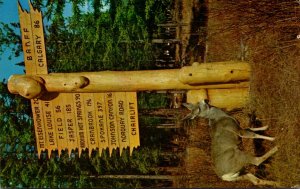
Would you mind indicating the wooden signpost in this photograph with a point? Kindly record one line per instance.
(73, 121)
(98, 110)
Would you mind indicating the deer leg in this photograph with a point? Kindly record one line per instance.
(256, 181)
(258, 160)
(245, 133)
(259, 128)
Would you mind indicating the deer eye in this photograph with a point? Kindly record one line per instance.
(206, 101)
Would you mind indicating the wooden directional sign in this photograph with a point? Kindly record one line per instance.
(70, 121)
(84, 115)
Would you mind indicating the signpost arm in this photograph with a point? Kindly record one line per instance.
(198, 76)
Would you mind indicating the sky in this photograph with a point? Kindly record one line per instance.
(8, 14)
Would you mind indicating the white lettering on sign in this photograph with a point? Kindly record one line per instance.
(90, 117)
(39, 123)
(101, 121)
(59, 121)
(122, 121)
(112, 126)
(38, 41)
(80, 121)
(101, 125)
(111, 111)
(70, 124)
(133, 120)
(132, 114)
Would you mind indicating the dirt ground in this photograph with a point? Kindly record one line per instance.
(272, 49)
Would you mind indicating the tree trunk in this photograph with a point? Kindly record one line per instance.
(164, 113)
(146, 177)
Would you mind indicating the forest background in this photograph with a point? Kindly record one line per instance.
(111, 35)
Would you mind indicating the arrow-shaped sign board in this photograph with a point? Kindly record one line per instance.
(76, 121)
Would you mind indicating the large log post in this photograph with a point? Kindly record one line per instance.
(221, 75)
(222, 98)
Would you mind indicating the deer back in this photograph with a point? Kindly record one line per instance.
(224, 147)
(223, 136)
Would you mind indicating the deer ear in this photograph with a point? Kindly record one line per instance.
(189, 116)
(189, 106)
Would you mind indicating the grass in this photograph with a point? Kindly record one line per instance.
(275, 95)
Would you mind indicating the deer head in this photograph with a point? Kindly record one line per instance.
(200, 109)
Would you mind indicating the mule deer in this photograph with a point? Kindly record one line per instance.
(226, 136)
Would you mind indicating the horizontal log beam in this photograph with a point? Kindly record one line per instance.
(197, 76)
(217, 72)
